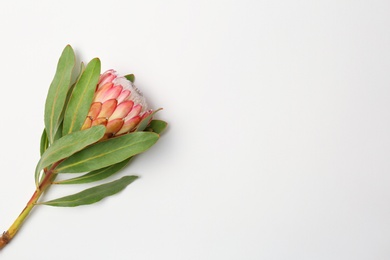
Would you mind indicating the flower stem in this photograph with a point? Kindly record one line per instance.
(43, 186)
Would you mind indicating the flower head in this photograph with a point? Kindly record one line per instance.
(117, 104)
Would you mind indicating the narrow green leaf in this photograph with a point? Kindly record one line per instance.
(92, 195)
(81, 97)
(82, 68)
(60, 128)
(108, 152)
(157, 126)
(130, 77)
(144, 122)
(44, 142)
(96, 175)
(68, 145)
(57, 92)
(58, 134)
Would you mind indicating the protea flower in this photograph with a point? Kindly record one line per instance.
(117, 104)
(116, 107)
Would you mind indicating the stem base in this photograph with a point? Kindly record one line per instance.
(4, 239)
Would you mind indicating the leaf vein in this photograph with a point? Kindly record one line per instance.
(98, 156)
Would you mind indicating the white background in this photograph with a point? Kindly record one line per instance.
(278, 145)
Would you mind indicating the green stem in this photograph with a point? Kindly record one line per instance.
(43, 186)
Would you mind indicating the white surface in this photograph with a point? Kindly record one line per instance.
(278, 145)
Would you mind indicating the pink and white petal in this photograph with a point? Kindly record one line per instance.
(106, 77)
(123, 96)
(101, 92)
(112, 93)
(134, 112)
(122, 110)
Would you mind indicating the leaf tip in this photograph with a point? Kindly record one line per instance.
(130, 77)
(96, 59)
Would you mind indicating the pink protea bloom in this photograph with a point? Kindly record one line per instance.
(117, 104)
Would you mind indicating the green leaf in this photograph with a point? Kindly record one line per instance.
(108, 152)
(144, 122)
(92, 195)
(130, 77)
(82, 68)
(81, 97)
(96, 175)
(57, 92)
(44, 142)
(157, 126)
(68, 145)
(58, 134)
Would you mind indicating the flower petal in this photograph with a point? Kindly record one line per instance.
(95, 109)
(101, 92)
(134, 112)
(122, 110)
(108, 108)
(129, 125)
(99, 121)
(87, 123)
(112, 93)
(123, 96)
(114, 126)
(107, 77)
